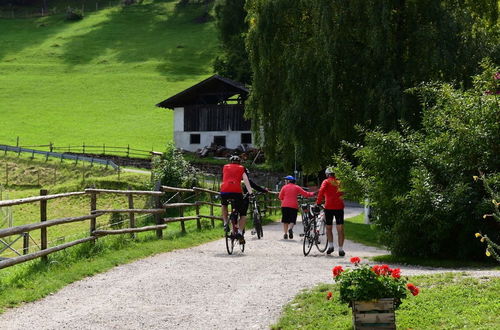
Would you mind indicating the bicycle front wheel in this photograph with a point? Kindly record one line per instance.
(308, 241)
(321, 238)
(229, 242)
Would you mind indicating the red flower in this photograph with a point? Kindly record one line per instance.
(337, 270)
(413, 289)
(376, 269)
(396, 273)
(355, 260)
(385, 270)
(329, 295)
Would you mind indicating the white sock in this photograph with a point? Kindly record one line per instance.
(341, 248)
(240, 231)
(330, 244)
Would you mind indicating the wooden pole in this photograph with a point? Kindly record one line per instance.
(131, 214)
(181, 213)
(212, 210)
(159, 220)
(198, 221)
(26, 243)
(43, 218)
(93, 207)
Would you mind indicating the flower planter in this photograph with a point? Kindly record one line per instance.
(376, 314)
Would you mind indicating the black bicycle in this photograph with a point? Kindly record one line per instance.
(313, 219)
(232, 232)
(257, 218)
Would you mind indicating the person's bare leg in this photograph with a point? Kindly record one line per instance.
(224, 213)
(340, 232)
(243, 221)
(285, 229)
(329, 233)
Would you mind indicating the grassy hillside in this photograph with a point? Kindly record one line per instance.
(97, 80)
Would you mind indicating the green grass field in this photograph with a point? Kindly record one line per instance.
(97, 80)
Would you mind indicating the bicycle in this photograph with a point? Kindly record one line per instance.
(230, 235)
(314, 229)
(257, 218)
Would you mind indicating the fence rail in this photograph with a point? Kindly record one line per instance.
(61, 156)
(157, 211)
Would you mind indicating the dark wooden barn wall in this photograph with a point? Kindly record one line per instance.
(215, 118)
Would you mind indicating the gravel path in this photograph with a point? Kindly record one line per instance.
(197, 288)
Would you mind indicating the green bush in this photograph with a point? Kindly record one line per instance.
(425, 200)
(73, 14)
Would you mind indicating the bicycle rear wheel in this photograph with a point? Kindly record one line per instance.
(321, 238)
(257, 224)
(308, 240)
(229, 242)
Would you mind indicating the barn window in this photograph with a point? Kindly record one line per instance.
(220, 140)
(246, 138)
(194, 138)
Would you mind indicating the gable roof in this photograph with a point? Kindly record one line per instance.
(209, 91)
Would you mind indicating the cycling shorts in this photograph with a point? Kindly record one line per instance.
(236, 200)
(330, 214)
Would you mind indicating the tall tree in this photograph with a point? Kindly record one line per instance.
(321, 67)
(232, 28)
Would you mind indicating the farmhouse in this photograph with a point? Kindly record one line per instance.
(210, 112)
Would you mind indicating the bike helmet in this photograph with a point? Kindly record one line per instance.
(329, 171)
(235, 159)
(289, 177)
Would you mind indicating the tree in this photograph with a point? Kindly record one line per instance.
(320, 67)
(232, 28)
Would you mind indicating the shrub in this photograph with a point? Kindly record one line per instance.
(420, 182)
(73, 14)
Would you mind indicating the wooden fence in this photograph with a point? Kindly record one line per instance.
(158, 209)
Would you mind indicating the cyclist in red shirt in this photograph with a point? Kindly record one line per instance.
(289, 206)
(230, 190)
(334, 207)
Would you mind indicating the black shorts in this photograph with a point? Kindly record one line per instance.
(236, 200)
(338, 214)
(288, 215)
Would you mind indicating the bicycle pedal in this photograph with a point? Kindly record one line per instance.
(253, 232)
(301, 235)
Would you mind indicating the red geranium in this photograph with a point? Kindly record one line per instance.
(385, 270)
(413, 289)
(396, 273)
(355, 260)
(329, 295)
(337, 270)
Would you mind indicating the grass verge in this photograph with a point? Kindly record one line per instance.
(446, 301)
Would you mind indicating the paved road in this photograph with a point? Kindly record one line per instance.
(196, 288)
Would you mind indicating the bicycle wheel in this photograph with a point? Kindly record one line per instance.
(229, 242)
(257, 224)
(321, 240)
(308, 240)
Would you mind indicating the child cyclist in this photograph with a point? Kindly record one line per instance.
(289, 206)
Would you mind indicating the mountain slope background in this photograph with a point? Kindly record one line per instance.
(96, 81)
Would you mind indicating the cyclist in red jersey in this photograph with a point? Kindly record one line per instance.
(289, 206)
(230, 189)
(334, 207)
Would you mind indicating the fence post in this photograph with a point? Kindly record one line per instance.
(83, 148)
(212, 209)
(181, 213)
(26, 243)
(131, 214)
(93, 207)
(128, 150)
(198, 221)
(51, 146)
(43, 218)
(6, 174)
(158, 205)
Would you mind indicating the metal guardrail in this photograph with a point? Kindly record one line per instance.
(47, 154)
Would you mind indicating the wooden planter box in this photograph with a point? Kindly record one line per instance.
(376, 314)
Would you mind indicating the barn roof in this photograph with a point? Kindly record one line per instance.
(213, 90)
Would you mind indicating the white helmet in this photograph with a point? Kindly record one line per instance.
(329, 171)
